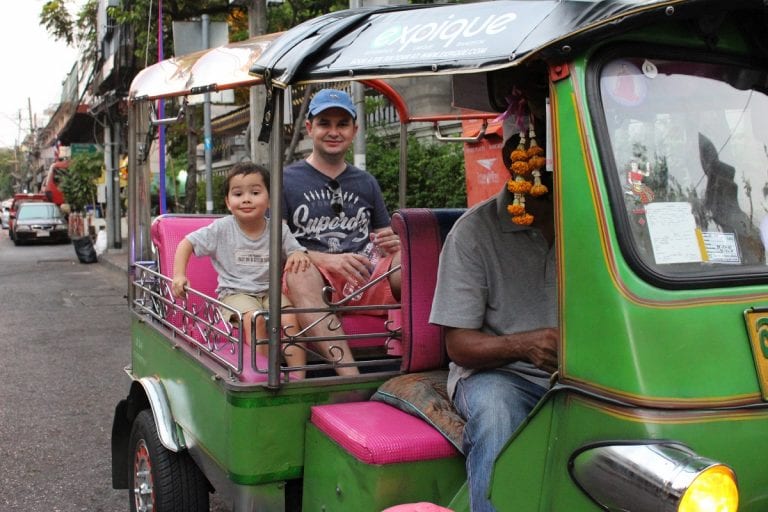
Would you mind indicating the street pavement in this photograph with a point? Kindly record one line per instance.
(64, 339)
(116, 259)
(64, 336)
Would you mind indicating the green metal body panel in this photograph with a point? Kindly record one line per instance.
(335, 480)
(679, 360)
(621, 335)
(568, 421)
(256, 435)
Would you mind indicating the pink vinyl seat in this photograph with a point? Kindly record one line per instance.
(376, 432)
(167, 231)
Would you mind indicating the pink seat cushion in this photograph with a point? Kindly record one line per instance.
(377, 433)
(422, 506)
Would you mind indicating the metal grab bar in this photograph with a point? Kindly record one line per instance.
(154, 121)
(444, 138)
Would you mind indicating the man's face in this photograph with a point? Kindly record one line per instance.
(332, 132)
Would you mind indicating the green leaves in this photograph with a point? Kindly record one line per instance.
(77, 183)
(436, 176)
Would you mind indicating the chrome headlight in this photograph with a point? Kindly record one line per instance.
(659, 477)
(23, 227)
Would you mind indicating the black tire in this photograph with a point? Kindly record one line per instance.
(167, 481)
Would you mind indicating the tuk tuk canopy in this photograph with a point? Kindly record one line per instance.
(458, 38)
(214, 69)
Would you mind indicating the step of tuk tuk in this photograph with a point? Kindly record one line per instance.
(363, 456)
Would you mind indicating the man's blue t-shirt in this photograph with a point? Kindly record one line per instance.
(307, 208)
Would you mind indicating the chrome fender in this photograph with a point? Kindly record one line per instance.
(161, 410)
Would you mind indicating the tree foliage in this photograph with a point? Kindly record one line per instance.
(57, 20)
(142, 15)
(78, 30)
(8, 164)
(435, 175)
(78, 183)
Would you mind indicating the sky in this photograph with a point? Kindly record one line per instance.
(34, 67)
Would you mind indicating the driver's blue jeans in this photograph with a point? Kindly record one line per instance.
(494, 403)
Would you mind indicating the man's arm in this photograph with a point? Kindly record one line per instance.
(475, 349)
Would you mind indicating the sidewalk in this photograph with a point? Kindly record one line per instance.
(117, 259)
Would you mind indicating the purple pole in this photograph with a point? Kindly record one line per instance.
(161, 114)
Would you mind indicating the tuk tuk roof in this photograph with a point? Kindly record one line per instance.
(379, 42)
(215, 69)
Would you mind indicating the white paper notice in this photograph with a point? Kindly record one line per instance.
(673, 232)
(721, 247)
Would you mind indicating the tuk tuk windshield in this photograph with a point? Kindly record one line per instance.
(689, 143)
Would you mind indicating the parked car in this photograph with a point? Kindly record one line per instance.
(18, 200)
(5, 213)
(39, 221)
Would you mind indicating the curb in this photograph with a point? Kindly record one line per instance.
(115, 260)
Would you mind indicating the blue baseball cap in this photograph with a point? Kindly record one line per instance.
(331, 98)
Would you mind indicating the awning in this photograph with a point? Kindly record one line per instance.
(221, 68)
(428, 39)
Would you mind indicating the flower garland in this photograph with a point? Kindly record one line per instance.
(526, 162)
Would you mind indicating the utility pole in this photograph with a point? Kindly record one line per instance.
(358, 97)
(207, 131)
(31, 122)
(257, 25)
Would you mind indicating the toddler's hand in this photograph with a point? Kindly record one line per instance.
(178, 286)
(297, 262)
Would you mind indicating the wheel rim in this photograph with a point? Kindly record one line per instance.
(143, 488)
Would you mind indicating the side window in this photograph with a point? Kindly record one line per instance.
(689, 147)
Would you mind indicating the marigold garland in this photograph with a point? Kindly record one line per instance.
(525, 219)
(524, 162)
(519, 186)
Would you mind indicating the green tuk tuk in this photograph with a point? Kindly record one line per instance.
(657, 130)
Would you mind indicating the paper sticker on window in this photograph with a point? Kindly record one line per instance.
(673, 233)
(721, 247)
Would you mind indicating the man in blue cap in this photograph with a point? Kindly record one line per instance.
(337, 212)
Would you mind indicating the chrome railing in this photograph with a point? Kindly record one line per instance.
(200, 321)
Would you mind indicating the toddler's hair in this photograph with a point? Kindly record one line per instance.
(246, 168)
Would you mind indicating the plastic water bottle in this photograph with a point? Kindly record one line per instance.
(372, 253)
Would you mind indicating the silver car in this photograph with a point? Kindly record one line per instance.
(5, 215)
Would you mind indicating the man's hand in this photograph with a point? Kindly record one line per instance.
(354, 267)
(386, 241)
(542, 348)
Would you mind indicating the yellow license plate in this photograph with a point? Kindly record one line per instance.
(757, 327)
